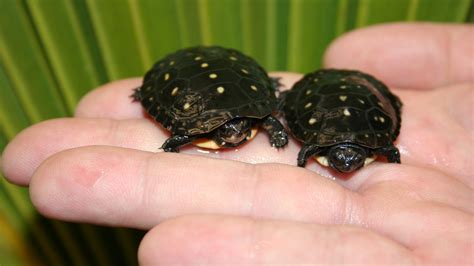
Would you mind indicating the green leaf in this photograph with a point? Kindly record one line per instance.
(118, 42)
(219, 22)
(69, 45)
(254, 19)
(156, 26)
(17, 199)
(276, 34)
(25, 65)
(188, 22)
(380, 11)
(443, 10)
(12, 117)
(312, 27)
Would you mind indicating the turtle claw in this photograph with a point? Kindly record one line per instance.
(168, 149)
(279, 139)
(136, 96)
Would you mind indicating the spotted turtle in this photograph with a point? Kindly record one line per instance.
(344, 118)
(211, 96)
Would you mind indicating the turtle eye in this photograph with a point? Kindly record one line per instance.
(340, 156)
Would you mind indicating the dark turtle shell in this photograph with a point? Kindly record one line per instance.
(330, 106)
(195, 90)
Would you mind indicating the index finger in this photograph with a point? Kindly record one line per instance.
(414, 55)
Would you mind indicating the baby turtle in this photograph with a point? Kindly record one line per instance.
(210, 96)
(344, 118)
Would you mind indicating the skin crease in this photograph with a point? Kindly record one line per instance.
(251, 205)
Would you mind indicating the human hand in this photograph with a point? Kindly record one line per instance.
(102, 167)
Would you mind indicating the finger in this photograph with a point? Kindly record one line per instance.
(437, 130)
(415, 206)
(235, 240)
(113, 100)
(415, 55)
(35, 144)
(140, 189)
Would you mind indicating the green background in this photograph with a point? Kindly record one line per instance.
(53, 51)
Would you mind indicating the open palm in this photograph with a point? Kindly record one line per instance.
(252, 204)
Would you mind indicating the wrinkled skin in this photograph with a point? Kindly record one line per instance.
(201, 209)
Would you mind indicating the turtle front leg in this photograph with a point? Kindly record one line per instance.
(136, 96)
(306, 152)
(173, 143)
(278, 135)
(391, 152)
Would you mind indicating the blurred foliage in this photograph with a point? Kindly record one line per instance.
(53, 51)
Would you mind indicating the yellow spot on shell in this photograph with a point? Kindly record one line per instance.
(171, 63)
(343, 98)
(233, 58)
(346, 112)
(311, 121)
(244, 70)
(308, 92)
(174, 91)
(343, 87)
(220, 89)
(186, 106)
(308, 105)
(253, 87)
(382, 119)
(213, 75)
(167, 76)
(197, 58)
(204, 65)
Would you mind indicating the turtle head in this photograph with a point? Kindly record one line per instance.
(233, 133)
(346, 158)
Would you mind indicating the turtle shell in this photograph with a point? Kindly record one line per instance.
(330, 106)
(195, 90)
